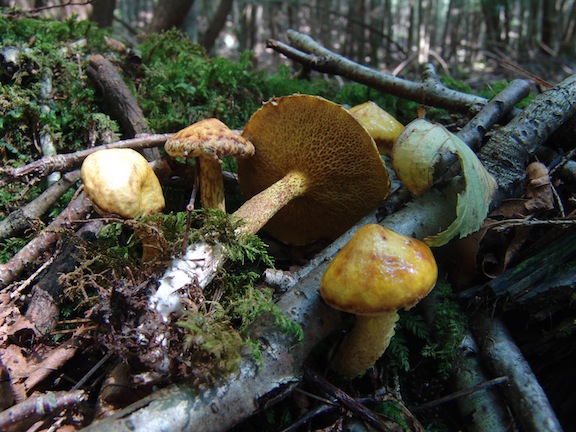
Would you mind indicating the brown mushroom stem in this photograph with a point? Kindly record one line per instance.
(365, 344)
(211, 184)
(259, 209)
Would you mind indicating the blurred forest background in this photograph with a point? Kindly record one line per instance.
(463, 37)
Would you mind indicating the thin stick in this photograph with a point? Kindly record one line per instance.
(69, 161)
(460, 393)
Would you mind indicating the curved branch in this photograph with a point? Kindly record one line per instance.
(308, 52)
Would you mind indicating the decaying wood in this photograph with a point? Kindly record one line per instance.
(123, 105)
(541, 284)
(524, 393)
(29, 254)
(507, 152)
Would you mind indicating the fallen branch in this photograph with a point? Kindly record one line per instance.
(70, 161)
(507, 152)
(24, 216)
(523, 391)
(430, 91)
(38, 407)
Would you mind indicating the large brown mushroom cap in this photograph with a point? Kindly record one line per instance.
(343, 173)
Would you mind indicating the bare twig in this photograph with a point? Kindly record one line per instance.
(351, 404)
(67, 162)
(460, 393)
(24, 216)
(39, 406)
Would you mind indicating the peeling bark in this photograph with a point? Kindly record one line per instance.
(508, 151)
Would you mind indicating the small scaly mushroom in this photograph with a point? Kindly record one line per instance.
(375, 274)
(209, 140)
(315, 173)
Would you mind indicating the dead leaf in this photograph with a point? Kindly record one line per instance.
(414, 155)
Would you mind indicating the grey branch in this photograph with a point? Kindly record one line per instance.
(67, 162)
(523, 392)
(431, 92)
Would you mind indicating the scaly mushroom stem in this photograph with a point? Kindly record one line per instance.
(261, 207)
(211, 184)
(365, 344)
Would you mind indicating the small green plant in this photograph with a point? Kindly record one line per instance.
(448, 330)
(439, 341)
(392, 410)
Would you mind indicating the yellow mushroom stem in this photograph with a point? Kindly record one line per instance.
(211, 184)
(259, 209)
(366, 342)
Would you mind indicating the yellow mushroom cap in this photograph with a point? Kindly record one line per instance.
(344, 175)
(383, 127)
(379, 271)
(120, 181)
(208, 138)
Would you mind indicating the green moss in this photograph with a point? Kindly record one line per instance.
(180, 84)
(448, 330)
(54, 52)
(217, 331)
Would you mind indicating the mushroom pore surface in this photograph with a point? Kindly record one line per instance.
(343, 175)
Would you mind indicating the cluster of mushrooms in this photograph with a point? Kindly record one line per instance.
(309, 169)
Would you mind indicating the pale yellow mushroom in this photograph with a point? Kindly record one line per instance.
(383, 127)
(121, 182)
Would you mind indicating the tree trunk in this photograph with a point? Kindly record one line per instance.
(217, 23)
(170, 14)
(103, 12)
(548, 24)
